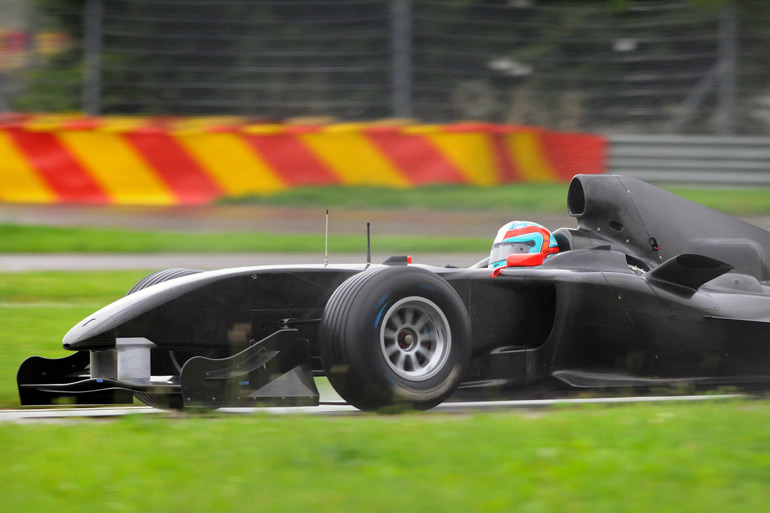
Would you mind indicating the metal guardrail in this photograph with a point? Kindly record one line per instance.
(681, 159)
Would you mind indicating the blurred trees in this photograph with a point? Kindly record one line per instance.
(570, 64)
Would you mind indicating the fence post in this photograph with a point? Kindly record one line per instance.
(401, 58)
(93, 12)
(727, 56)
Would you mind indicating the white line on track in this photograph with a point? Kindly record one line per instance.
(44, 414)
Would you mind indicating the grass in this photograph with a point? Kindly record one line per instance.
(527, 197)
(38, 308)
(519, 197)
(677, 458)
(49, 239)
(755, 201)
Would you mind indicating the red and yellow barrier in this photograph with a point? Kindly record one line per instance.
(162, 161)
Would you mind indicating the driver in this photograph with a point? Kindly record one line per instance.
(521, 243)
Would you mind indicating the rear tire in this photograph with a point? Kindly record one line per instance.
(160, 277)
(162, 401)
(395, 337)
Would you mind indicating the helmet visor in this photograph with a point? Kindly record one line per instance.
(501, 250)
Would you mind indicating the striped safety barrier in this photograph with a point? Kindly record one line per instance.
(163, 161)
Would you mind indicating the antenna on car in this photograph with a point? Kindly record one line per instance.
(368, 246)
(326, 240)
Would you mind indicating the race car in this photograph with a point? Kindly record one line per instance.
(650, 290)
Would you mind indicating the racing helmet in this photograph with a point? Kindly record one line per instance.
(525, 238)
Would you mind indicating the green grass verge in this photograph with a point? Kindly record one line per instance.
(754, 201)
(38, 308)
(676, 458)
(519, 197)
(49, 239)
(505, 198)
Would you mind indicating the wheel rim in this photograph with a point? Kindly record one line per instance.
(415, 338)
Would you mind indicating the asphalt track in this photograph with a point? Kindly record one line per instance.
(20, 262)
(287, 220)
(276, 220)
(338, 408)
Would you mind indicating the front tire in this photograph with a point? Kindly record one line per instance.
(395, 337)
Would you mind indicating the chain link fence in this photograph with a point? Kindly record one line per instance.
(636, 67)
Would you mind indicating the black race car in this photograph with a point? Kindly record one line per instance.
(651, 290)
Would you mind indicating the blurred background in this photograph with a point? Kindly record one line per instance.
(679, 91)
(688, 67)
(195, 102)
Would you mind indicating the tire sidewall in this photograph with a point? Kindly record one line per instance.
(367, 316)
